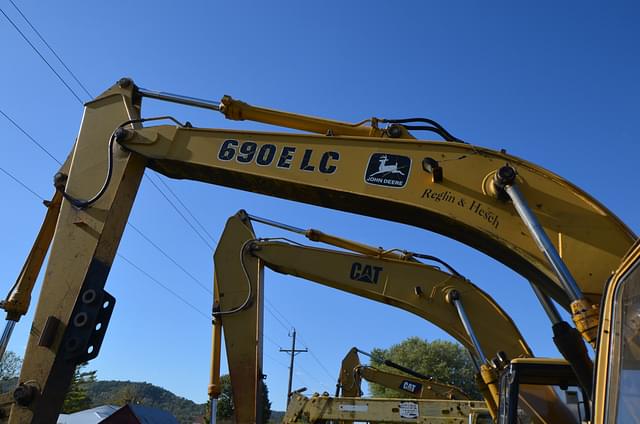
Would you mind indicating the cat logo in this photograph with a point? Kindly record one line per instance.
(410, 386)
(365, 273)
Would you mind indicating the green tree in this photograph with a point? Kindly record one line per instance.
(447, 362)
(129, 394)
(225, 401)
(77, 398)
(9, 365)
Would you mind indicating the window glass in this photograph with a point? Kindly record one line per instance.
(623, 400)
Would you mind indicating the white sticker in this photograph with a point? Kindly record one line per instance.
(354, 408)
(409, 410)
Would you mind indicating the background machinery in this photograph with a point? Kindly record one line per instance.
(393, 277)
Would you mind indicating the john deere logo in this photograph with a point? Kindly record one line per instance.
(365, 273)
(388, 170)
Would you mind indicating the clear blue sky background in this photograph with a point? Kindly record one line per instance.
(553, 82)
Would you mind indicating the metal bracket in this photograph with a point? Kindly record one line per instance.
(91, 314)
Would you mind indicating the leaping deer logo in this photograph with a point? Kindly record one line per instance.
(383, 168)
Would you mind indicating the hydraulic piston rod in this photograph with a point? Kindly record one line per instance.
(277, 224)
(548, 306)
(454, 297)
(487, 378)
(6, 335)
(584, 314)
(177, 98)
(505, 179)
(569, 343)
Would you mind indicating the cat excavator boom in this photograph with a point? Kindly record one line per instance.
(394, 277)
(409, 384)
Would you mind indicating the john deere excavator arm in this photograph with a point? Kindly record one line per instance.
(386, 277)
(445, 187)
(412, 384)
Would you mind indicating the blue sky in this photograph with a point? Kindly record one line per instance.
(555, 83)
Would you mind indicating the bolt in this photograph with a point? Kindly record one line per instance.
(124, 82)
(505, 176)
(72, 344)
(80, 319)
(452, 296)
(122, 134)
(24, 394)
(60, 181)
(394, 131)
(89, 296)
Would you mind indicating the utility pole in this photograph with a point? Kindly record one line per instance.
(293, 352)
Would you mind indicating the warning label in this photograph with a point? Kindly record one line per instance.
(409, 410)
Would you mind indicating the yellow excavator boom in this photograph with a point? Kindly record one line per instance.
(352, 372)
(412, 286)
(322, 408)
(446, 187)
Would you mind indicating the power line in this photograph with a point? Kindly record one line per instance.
(42, 57)
(313, 355)
(204, 230)
(277, 361)
(14, 178)
(133, 264)
(155, 280)
(269, 339)
(281, 315)
(180, 213)
(144, 236)
(170, 258)
(277, 319)
(316, 358)
(89, 94)
(175, 294)
(15, 124)
(320, 382)
(51, 49)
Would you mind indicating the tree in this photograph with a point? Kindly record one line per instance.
(225, 401)
(129, 394)
(77, 398)
(447, 362)
(9, 365)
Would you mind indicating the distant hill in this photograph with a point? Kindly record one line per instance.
(276, 416)
(121, 392)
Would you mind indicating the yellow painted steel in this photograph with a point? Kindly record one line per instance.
(239, 111)
(82, 250)
(590, 238)
(242, 331)
(340, 172)
(19, 298)
(411, 286)
(214, 388)
(322, 408)
(352, 372)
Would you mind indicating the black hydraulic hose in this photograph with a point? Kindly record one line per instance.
(434, 127)
(392, 364)
(406, 370)
(572, 347)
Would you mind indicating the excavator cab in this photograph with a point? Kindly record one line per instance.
(617, 395)
(556, 373)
